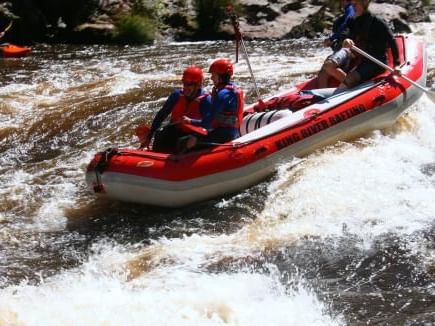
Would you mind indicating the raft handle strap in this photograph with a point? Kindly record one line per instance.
(104, 159)
(100, 167)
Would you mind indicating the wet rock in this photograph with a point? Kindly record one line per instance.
(95, 20)
(280, 26)
(394, 14)
(400, 26)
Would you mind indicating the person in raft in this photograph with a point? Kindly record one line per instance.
(186, 106)
(371, 34)
(226, 112)
(339, 62)
(340, 26)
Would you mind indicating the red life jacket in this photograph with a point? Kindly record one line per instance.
(190, 109)
(229, 118)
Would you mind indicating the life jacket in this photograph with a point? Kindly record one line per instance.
(184, 107)
(229, 118)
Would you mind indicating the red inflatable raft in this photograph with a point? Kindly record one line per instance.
(268, 139)
(14, 51)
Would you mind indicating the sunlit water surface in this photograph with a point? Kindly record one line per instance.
(345, 236)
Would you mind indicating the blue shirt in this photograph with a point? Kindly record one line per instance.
(342, 23)
(222, 100)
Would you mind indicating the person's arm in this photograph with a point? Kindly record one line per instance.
(218, 104)
(225, 100)
(195, 122)
(341, 26)
(164, 112)
(204, 109)
(348, 43)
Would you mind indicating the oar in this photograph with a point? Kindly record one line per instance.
(239, 40)
(429, 92)
(6, 29)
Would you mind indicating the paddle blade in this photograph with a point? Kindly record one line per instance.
(196, 129)
(142, 131)
(8, 27)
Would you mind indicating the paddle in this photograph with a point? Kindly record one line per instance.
(6, 29)
(429, 92)
(239, 40)
(197, 129)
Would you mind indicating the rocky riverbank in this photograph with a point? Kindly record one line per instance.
(138, 21)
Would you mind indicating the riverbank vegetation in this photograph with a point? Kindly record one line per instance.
(142, 21)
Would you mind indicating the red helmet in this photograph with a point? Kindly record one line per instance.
(193, 74)
(221, 67)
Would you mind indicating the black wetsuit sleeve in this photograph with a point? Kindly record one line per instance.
(385, 39)
(164, 111)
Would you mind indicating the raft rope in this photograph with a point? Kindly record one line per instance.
(101, 166)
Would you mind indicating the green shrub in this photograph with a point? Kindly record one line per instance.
(135, 28)
(210, 14)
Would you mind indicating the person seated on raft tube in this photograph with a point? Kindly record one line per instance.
(372, 35)
(338, 63)
(340, 27)
(226, 112)
(186, 106)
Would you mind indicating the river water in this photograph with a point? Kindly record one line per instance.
(344, 237)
